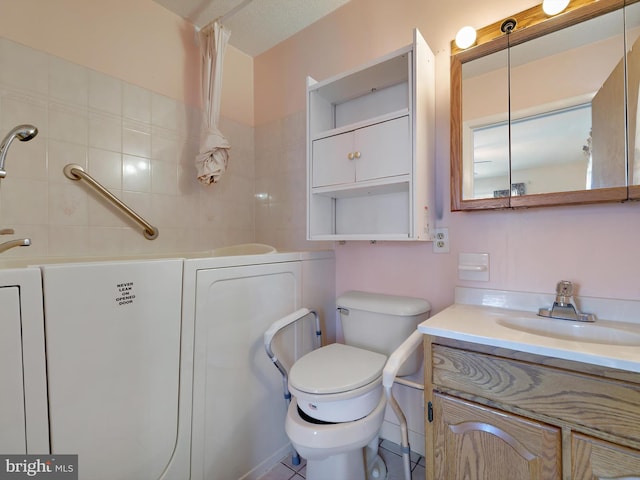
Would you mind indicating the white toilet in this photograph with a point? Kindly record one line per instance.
(339, 401)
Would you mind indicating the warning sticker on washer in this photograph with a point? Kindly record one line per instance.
(126, 293)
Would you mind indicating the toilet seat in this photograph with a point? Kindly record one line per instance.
(338, 383)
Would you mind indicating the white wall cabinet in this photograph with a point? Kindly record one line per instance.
(370, 149)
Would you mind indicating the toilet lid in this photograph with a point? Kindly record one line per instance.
(336, 368)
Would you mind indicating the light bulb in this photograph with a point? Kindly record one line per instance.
(466, 37)
(553, 7)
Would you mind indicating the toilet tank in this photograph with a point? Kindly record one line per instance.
(380, 323)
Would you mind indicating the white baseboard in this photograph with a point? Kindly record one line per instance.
(268, 464)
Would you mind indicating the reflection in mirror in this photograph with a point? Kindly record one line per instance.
(632, 22)
(485, 86)
(539, 167)
(573, 79)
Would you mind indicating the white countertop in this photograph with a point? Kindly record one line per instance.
(514, 329)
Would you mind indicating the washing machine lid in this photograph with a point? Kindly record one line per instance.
(336, 368)
(384, 304)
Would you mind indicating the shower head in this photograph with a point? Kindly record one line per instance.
(24, 133)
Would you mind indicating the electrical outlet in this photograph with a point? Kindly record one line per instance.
(441, 240)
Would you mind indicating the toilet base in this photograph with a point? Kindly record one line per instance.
(361, 464)
(343, 451)
(342, 466)
(377, 469)
(347, 466)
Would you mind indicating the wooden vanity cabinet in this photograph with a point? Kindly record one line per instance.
(473, 441)
(497, 414)
(592, 458)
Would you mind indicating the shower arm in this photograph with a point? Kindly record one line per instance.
(76, 172)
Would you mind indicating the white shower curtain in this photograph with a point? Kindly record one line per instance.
(213, 156)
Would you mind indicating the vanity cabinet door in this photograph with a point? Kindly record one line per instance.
(474, 442)
(596, 459)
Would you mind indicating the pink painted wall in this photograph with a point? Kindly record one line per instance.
(594, 246)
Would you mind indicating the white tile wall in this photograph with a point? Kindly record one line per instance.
(138, 144)
(280, 184)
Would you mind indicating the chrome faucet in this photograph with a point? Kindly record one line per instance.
(564, 307)
(21, 242)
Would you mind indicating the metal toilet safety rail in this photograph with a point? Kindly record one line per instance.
(269, 335)
(394, 362)
(389, 373)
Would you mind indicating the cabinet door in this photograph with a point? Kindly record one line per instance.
(593, 459)
(473, 442)
(384, 150)
(12, 416)
(331, 164)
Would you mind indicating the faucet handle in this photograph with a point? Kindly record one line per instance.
(564, 294)
(564, 288)
(7, 231)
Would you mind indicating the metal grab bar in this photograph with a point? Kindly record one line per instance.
(76, 172)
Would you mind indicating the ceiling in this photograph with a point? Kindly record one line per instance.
(259, 24)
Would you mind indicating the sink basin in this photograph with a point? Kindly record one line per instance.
(601, 332)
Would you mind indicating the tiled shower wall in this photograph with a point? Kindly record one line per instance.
(281, 184)
(138, 144)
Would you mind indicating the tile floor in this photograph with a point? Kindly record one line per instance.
(389, 451)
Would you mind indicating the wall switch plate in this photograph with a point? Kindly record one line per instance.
(441, 240)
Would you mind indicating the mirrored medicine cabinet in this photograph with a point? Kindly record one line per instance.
(544, 109)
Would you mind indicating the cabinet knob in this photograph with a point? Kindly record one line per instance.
(350, 156)
(357, 154)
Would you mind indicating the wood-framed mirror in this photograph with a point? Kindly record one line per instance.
(632, 23)
(538, 109)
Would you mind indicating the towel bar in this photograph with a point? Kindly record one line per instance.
(76, 172)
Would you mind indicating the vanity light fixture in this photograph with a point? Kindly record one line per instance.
(466, 37)
(554, 7)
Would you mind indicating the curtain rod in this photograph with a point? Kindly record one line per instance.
(228, 15)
